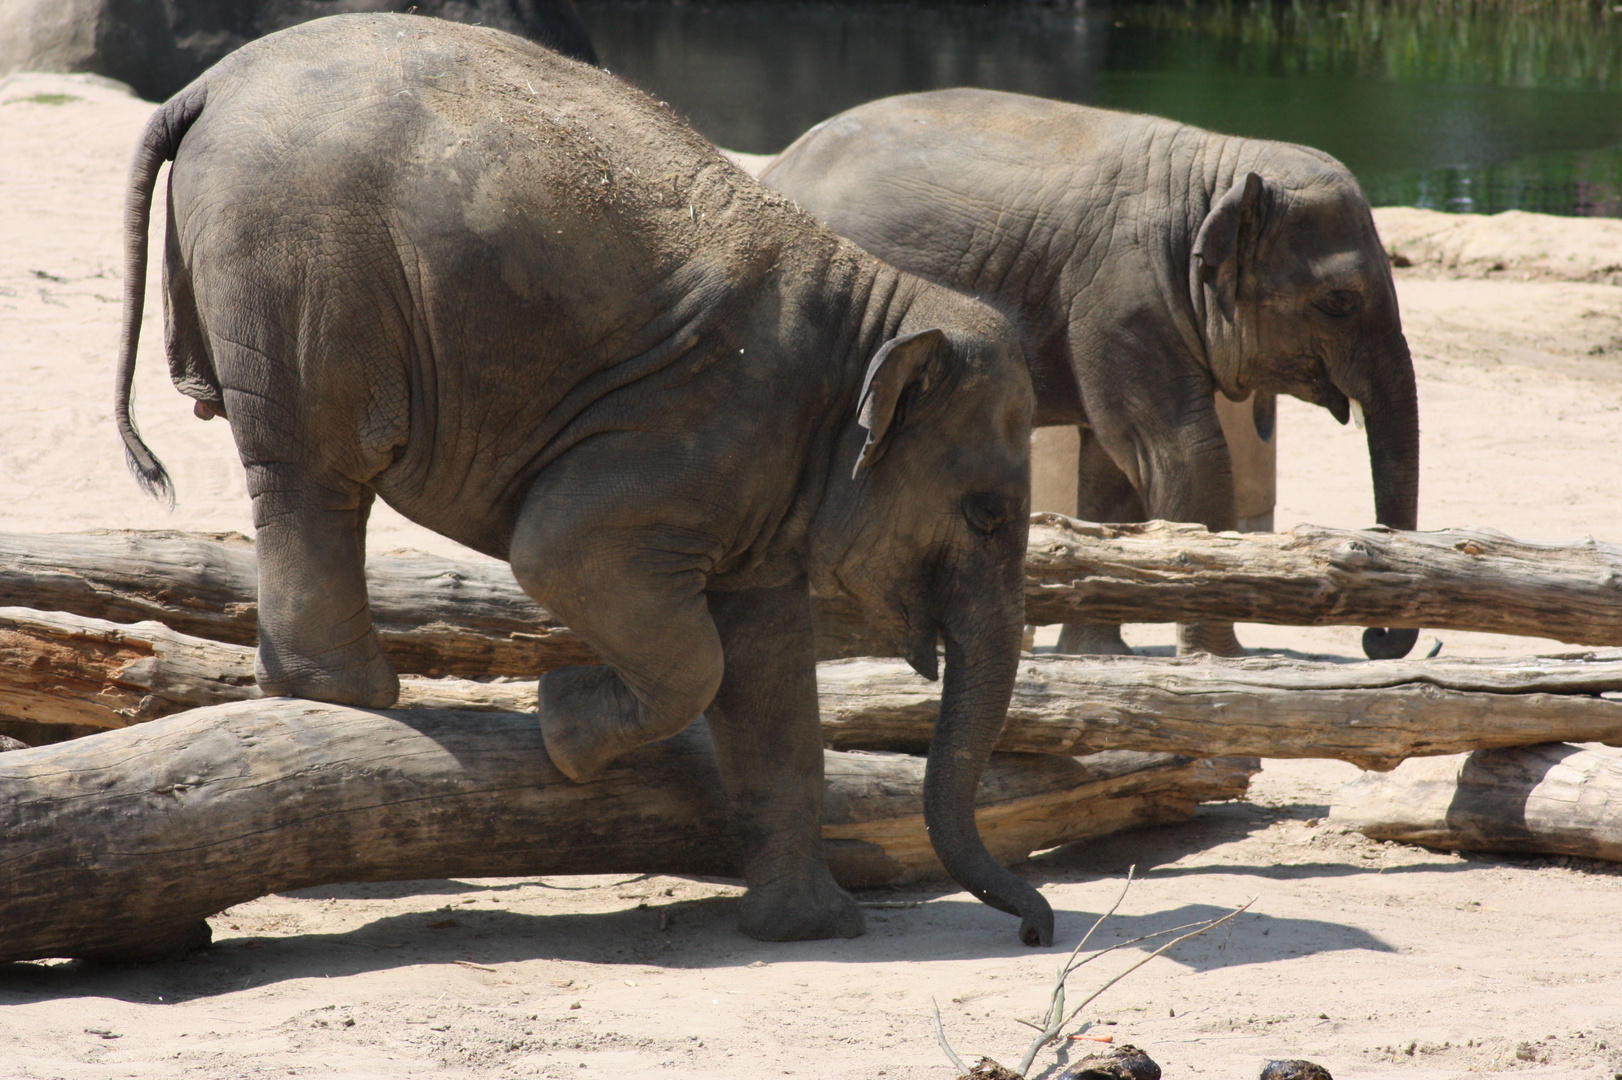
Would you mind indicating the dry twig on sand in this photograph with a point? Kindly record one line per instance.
(1057, 1018)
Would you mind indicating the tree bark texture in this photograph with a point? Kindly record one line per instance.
(435, 616)
(77, 675)
(439, 616)
(1554, 798)
(118, 845)
(1462, 579)
(1373, 714)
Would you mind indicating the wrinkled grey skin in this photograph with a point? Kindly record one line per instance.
(524, 305)
(1152, 264)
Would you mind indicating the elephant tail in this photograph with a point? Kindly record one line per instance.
(159, 143)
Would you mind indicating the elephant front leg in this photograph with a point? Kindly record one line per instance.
(1188, 477)
(316, 638)
(769, 742)
(1200, 491)
(1103, 493)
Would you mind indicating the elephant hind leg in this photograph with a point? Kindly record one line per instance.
(316, 638)
(646, 618)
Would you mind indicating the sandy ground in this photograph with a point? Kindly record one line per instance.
(1373, 959)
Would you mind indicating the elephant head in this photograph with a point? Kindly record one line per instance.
(924, 522)
(1297, 297)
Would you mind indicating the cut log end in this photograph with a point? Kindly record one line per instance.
(1552, 799)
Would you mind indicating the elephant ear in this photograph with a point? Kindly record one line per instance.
(901, 365)
(1218, 239)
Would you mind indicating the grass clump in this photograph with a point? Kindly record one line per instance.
(45, 99)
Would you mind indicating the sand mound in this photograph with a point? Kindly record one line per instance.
(1515, 244)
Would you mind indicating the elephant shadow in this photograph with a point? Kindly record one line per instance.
(695, 934)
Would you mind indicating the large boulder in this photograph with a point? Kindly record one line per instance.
(158, 46)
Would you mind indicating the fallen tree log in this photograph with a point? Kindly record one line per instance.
(1374, 714)
(64, 676)
(1549, 799)
(435, 616)
(87, 674)
(1461, 579)
(440, 616)
(117, 846)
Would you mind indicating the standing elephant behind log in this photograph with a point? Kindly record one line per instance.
(1153, 265)
(523, 304)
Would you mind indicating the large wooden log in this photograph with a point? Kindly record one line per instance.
(1552, 799)
(436, 616)
(72, 675)
(441, 616)
(1374, 714)
(1462, 579)
(58, 669)
(117, 846)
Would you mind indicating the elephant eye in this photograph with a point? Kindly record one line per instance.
(985, 512)
(1340, 304)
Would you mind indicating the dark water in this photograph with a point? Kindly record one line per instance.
(1446, 104)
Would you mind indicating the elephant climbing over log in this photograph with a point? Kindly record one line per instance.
(528, 308)
(1152, 265)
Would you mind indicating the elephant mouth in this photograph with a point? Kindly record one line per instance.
(1312, 383)
(922, 650)
(1338, 404)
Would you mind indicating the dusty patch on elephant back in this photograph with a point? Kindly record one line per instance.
(1514, 244)
(584, 159)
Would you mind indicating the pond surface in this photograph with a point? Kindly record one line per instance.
(1438, 103)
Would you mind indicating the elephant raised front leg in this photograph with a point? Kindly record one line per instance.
(638, 604)
(673, 651)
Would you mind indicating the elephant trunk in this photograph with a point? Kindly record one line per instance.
(1392, 417)
(981, 663)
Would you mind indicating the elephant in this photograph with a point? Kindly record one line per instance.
(526, 306)
(1151, 265)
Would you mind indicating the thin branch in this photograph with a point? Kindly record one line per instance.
(1131, 871)
(1127, 944)
(1170, 944)
(1053, 1021)
(1056, 1018)
(940, 1037)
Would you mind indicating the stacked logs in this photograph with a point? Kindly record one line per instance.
(197, 794)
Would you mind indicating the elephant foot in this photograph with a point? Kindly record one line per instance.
(1093, 639)
(370, 682)
(808, 911)
(1383, 644)
(1215, 638)
(588, 718)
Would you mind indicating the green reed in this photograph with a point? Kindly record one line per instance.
(1566, 44)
